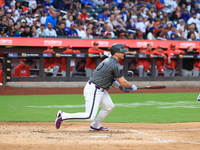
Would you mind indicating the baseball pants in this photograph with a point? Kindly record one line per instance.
(186, 73)
(141, 71)
(89, 72)
(55, 71)
(196, 73)
(93, 99)
(169, 72)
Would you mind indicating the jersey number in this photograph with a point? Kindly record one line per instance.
(100, 66)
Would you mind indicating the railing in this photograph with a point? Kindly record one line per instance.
(9, 56)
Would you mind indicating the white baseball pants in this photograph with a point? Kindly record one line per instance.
(94, 98)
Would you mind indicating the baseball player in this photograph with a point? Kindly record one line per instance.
(160, 62)
(72, 63)
(51, 62)
(108, 73)
(91, 62)
(1, 75)
(22, 70)
(132, 53)
(171, 64)
(198, 98)
(196, 70)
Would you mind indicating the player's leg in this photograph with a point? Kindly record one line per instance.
(167, 72)
(63, 73)
(107, 107)
(140, 69)
(93, 97)
(195, 72)
(55, 71)
(88, 72)
(173, 72)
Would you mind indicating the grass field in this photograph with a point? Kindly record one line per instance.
(130, 108)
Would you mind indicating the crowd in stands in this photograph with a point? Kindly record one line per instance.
(88, 19)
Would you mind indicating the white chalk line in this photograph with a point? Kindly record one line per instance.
(175, 130)
(159, 105)
(155, 139)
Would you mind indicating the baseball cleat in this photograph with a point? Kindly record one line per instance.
(99, 129)
(59, 119)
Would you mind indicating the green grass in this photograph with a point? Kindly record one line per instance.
(138, 108)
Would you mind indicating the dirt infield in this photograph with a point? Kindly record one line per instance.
(76, 135)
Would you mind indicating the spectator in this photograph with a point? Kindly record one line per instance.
(50, 63)
(26, 32)
(191, 36)
(151, 35)
(51, 19)
(140, 36)
(47, 3)
(34, 31)
(193, 19)
(88, 34)
(117, 30)
(122, 36)
(140, 25)
(69, 21)
(94, 34)
(131, 36)
(60, 30)
(185, 15)
(196, 70)
(108, 35)
(14, 17)
(91, 62)
(22, 70)
(164, 34)
(44, 17)
(172, 30)
(84, 14)
(29, 18)
(172, 36)
(32, 5)
(98, 3)
(41, 31)
(3, 25)
(181, 25)
(58, 4)
(109, 29)
(2, 32)
(72, 31)
(80, 31)
(188, 63)
(49, 31)
(23, 24)
(182, 37)
(104, 16)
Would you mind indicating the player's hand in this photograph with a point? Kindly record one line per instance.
(49, 68)
(169, 61)
(164, 56)
(125, 89)
(134, 87)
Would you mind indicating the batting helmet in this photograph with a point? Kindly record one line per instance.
(117, 48)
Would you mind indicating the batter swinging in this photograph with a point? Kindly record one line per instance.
(108, 73)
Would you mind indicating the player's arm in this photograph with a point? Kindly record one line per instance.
(123, 82)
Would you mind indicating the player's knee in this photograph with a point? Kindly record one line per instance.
(109, 108)
(56, 67)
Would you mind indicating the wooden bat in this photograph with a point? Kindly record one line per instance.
(153, 87)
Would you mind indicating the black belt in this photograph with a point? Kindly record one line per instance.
(97, 87)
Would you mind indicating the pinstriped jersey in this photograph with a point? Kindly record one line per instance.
(105, 73)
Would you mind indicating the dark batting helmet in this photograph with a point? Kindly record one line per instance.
(117, 48)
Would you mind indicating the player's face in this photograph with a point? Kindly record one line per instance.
(120, 55)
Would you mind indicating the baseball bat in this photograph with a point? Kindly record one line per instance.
(153, 87)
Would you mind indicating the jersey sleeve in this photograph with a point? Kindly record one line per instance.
(118, 71)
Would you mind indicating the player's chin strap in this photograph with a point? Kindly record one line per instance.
(115, 84)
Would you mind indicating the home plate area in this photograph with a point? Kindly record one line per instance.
(76, 135)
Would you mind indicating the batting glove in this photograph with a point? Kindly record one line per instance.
(134, 87)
